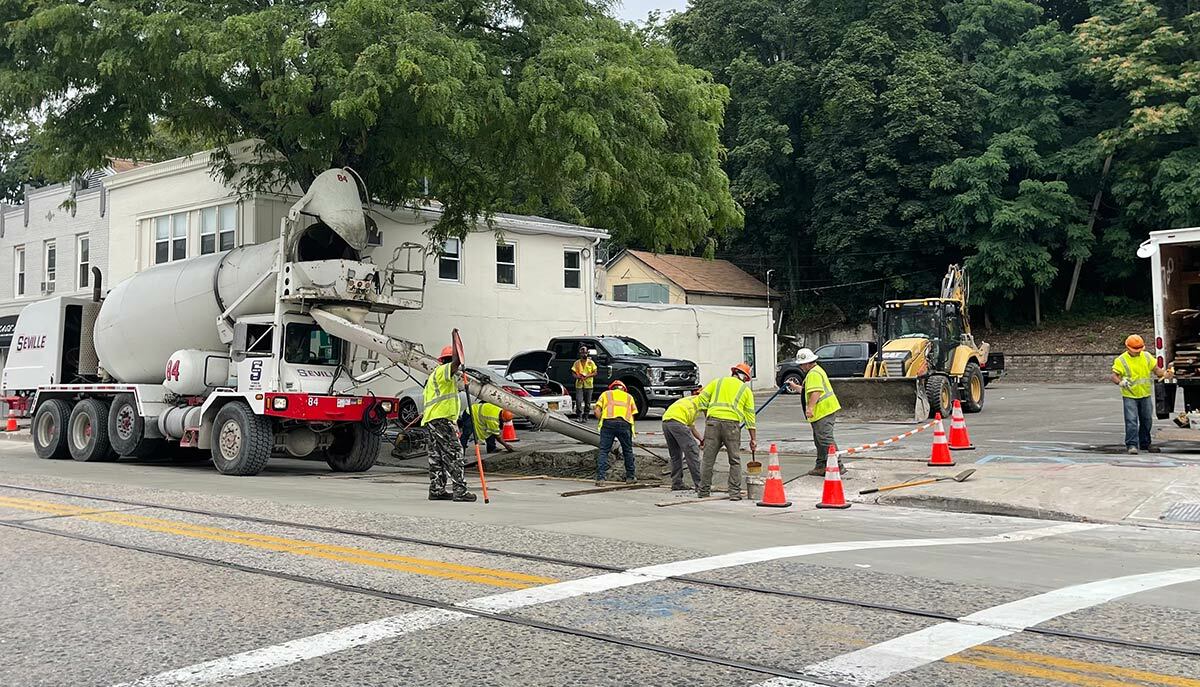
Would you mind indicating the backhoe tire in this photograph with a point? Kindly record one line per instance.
(241, 440)
(87, 432)
(127, 429)
(940, 393)
(972, 388)
(49, 429)
(354, 449)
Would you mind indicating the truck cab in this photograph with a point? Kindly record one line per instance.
(652, 380)
(1175, 283)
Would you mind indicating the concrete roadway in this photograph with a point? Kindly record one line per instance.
(90, 613)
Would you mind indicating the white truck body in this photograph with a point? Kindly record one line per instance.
(1174, 256)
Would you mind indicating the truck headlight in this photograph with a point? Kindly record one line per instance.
(279, 402)
(656, 375)
(387, 406)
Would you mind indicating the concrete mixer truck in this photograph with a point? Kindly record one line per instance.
(244, 354)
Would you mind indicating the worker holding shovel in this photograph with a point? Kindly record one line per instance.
(820, 407)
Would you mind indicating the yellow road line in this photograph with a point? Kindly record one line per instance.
(1040, 673)
(1084, 666)
(377, 559)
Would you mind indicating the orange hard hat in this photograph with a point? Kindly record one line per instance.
(447, 352)
(618, 384)
(506, 416)
(1134, 342)
(742, 368)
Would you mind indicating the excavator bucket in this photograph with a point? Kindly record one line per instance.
(901, 399)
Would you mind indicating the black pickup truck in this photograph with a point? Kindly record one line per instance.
(652, 380)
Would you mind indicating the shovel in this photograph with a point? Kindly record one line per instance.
(960, 477)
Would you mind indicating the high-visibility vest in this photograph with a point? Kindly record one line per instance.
(827, 404)
(584, 367)
(486, 417)
(728, 398)
(615, 403)
(684, 410)
(441, 396)
(1139, 370)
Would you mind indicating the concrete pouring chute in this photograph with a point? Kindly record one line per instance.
(339, 322)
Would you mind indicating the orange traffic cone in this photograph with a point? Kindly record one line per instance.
(941, 450)
(832, 495)
(11, 425)
(959, 439)
(773, 496)
(508, 432)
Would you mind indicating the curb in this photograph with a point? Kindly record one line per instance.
(19, 435)
(956, 504)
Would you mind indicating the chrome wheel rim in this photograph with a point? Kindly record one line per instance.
(230, 441)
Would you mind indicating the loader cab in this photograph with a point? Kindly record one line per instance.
(910, 325)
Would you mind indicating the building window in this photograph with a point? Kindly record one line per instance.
(748, 354)
(170, 238)
(641, 293)
(450, 260)
(50, 266)
(506, 263)
(19, 270)
(218, 227)
(82, 246)
(572, 272)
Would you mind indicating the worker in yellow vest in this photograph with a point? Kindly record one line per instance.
(1134, 371)
(683, 441)
(820, 407)
(442, 408)
(616, 410)
(727, 403)
(584, 371)
(483, 423)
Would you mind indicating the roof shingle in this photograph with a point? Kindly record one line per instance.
(698, 275)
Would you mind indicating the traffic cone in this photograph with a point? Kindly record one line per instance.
(959, 439)
(773, 496)
(11, 425)
(941, 450)
(508, 432)
(832, 495)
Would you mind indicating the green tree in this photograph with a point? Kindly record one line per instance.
(548, 107)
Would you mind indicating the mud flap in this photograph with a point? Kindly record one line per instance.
(900, 399)
(1164, 399)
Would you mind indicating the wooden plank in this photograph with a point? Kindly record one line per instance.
(616, 487)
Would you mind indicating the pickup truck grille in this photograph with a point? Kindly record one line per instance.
(681, 376)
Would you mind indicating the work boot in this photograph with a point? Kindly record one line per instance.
(817, 471)
(440, 496)
(631, 480)
(1152, 449)
(599, 482)
(465, 497)
(702, 494)
(735, 497)
(678, 487)
(1132, 450)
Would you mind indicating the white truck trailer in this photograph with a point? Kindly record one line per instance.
(1175, 280)
(243, 354)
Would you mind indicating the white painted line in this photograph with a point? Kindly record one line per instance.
(303, 649)
(887, 659)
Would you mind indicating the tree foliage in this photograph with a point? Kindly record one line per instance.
(545, 106)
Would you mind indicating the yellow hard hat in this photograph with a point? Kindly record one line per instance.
(1134, 342)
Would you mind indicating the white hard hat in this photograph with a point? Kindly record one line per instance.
(805, 356)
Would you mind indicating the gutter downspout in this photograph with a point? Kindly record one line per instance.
(591, 296)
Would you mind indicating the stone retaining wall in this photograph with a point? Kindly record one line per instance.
(1058, 367)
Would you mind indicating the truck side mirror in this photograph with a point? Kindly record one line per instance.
(873, 313)
(658, 352)
(237, 350)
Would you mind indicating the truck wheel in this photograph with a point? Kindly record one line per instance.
(793, 378)
(639, 399)
(49, 429)
(87, 432)
(972, 388)
(127, 429)
(354, 449)
(241, 440)
(940, 393)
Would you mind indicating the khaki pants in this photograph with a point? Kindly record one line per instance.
(718, 433)
(823, 438)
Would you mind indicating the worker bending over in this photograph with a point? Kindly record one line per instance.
(1134, 371)
(616, 410)
(483, 423)
(584, 371)
(442, 408)
(820, 407)
(727, 403)
(683, 441)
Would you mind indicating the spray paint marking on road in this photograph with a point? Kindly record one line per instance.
(306, 648)
(916, 649)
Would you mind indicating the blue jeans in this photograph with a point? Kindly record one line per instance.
(623, 432)
(1139, 414)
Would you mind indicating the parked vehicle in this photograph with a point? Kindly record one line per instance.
(652, 380)
(1174, 257)
(840, 359)
(530, 385)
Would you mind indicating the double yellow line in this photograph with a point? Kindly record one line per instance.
(1064, 670)
(299, 547)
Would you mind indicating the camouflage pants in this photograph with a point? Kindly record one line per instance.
(445, 458)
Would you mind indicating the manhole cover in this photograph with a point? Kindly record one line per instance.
(1182, 512)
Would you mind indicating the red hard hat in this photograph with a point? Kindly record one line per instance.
(618, 384)
(506, 416)
(447, 352)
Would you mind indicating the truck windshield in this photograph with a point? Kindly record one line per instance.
(625, 346)
(308, 344)
(909, 322)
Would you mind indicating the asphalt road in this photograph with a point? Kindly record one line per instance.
(118, 578)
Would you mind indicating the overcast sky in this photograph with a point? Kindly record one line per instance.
(636, 10)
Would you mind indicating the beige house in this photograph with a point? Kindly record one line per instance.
(636, 276)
